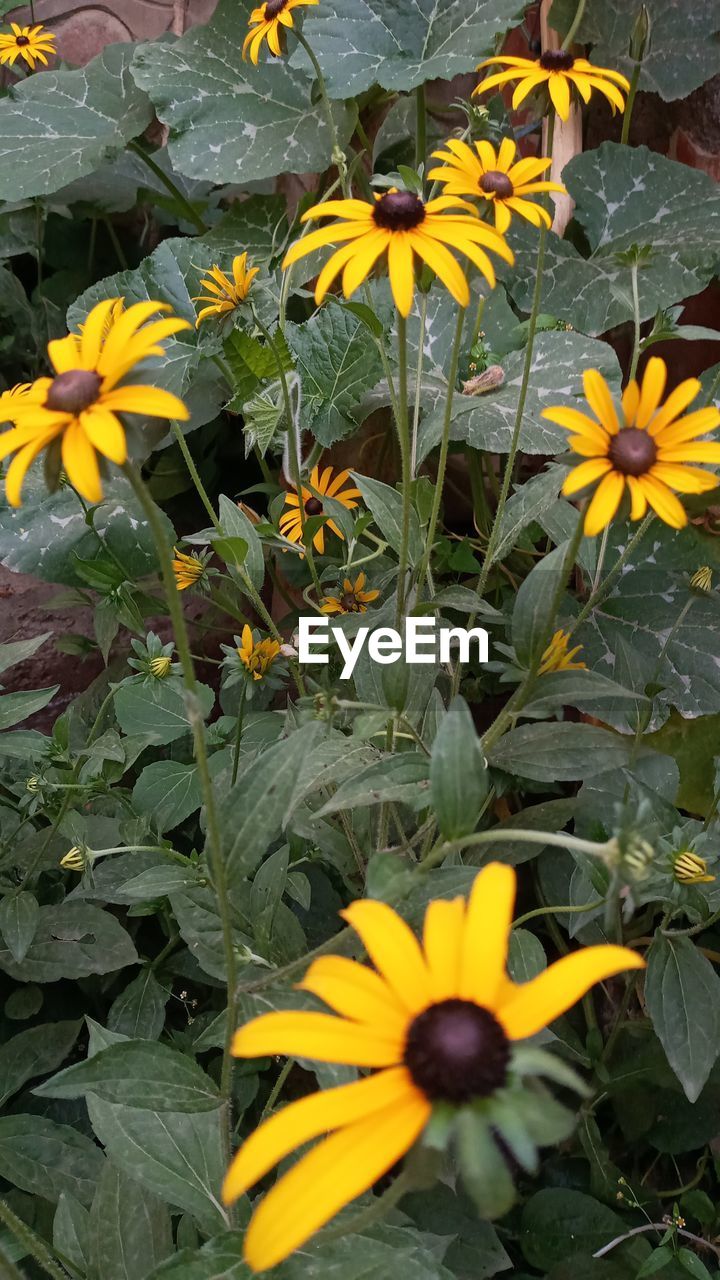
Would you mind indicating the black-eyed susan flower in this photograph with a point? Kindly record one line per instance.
(560, 72)
(29, 43)
(496, 176)
(402, 226)
(322, 484)
(644, 446)
(436, 1025)
(269, 22)
(75, 412)
(257, 662)
(690, 868)
(257, 656)
(352, 599)
(222, 294)
(559, 657)
(188, 570)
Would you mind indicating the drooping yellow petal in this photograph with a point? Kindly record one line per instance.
(317, 1114)
(104, 433)
(663, 501)
(560, 95)
(393, 949)
(152, 401)
(80, 463)
(531, 1006)
(441, 261)
(684, 478)
(362, 258)
(333, 1174)
(319, 1036)
(487, 929)
(17, 470)
(442, 942)
(605, 503)
(356, 992)
(401, 270)
(638, 500)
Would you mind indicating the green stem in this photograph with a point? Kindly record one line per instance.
(214, 836)
(404, 441)
(194, 473)
(599, 594)
(31, 1242)
(636, 322)
(558, 839)
(418, 385)
(420, 129)
(182, 200)
(338, 155)
(119, 254)
(630, 103)
(556, 911)
(444, 446)
(574, 25)
(238, 735)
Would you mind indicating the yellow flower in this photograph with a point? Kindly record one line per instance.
(222, 294)
(29, 43)
(160, 667)
(188, 569)
(561, 72)
(702, 579)
(495, 176)
(75, 859)
(76, 410)
(438, 1021)
(557, 657)
(291, 521)
(401, 225)
(646, 446)
(9, 400)
(690, 868)
(354, 598)
(258, 656)
(268, 23)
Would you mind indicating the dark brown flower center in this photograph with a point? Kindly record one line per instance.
(313, 507)
(21, 41)
(497, 183)
(73, 391)
(349, 602)
(632, 451)
(274, 7)
(556, 60)
(456, 1051)
(399, 211)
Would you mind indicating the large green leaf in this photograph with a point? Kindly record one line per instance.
(400, 44)
(682, 992)
(556, 1215)
(682, 53)
(458, 774)
(230, 121)
(46, 1158)
(137, 1073)
(72, 940)
(15, 707)
(158, 711)
(168, 791)
(62, 124)
(33, 1053)
(18, 921)
(559, 752)
(139, 1010)
(338, 363)
(130, 1229)
(400, 779)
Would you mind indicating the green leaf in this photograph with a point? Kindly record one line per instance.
(140, 1074)
(20, 651)
(235, 524)
(15, 707)
(139, 1010)
(534, 610)
(176, 1155)
(682, 993)
(63, 124)
(33, 1053)
(692, 1264)
(526, 957)
(230, 121)
(18, 922)
(458, 773)
(529, 501)
(556, 1215)
(400, 778)
(158, 882)
(72, 940)
(70, 1232)
(168, 792)
(130, 1229)
(582, 689)
(158, 711)
(386, 505)
(402, 45)
(45, 1158)
(559, 752)
(484, 1170)
(338, 365)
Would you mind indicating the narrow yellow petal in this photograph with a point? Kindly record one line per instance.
(441, 261)
(64, 353)
(584, 474)
(630, 402)
(80, 463)
(597, 394)
(605, 503)
(638, 499)
(93, 331)
(531, 1006)
(152, 401)
(105, 433)
(663, 501)
(487, 929)
(401, 270)
(683, 478)
(393, 949)
(687, 428)
(580, 423)
(442, 943)
(651, 391)
(560, 94)
(356, 992)
(693, 451)
(17, 470)
(319, 1036)
(676, 403)
(365, 254)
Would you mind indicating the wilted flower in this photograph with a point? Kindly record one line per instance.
(702, 579)
(222, 294)
(188, 569)
(557, 656)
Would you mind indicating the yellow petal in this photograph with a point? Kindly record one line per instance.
(683, 478)
(365, 255)
(560, 94)
(105, 433)
(687, 428)
(638, 499)
(651, 392)
(487, 929)
(586, 473)
(319, 1036)
(336, 233)
(597, 394)
(441, 261)
(401, 270)
(356, 992)
(152, 401)
(393, 949)
(80, 463)
(630, 402)
(580, 423)
(676, 403)
(333, 1174)
(64, 353)
(17, 470)
(92, 333)
(506, 154)
(301, 1121)
(531, 1006)
(442, 943)
(663, 501)
(604, 503)
(694, 451)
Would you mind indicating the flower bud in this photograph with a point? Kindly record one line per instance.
(75, 859)
(640, 36)
(160, 667)
(702, 579)
(690, 868)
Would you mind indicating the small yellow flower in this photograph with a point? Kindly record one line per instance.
(160, 667)
(354, 598)
(436, 1023)
(29, 43)
(76, 411)
(257, 657)
(188, 569)
(702, 579)
(557, 657)
(323, 484)
(495, 176)
(269, 22)
(690, 868)
(561, 72)
(224, 295)
(400, 225)
(645, 446)
(75, 859)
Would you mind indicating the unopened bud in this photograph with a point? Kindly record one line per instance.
(33, 784)
(75, 859)
(702, 579)
(640, 36)
(690, 868)
(160, 667)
